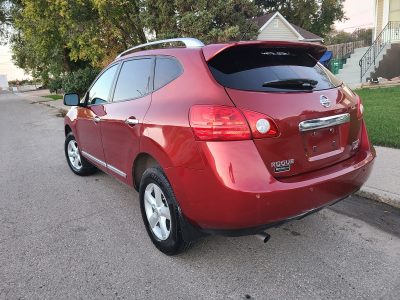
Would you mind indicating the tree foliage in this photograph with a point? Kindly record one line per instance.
(43, 35)
(55, 37)
(340, 37)
(5, 18)
(317, 16)
(211, 21)
(79, 81)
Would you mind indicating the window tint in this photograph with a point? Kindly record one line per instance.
(100, 90)
(254, 69)
(134, 79)
(167, 69)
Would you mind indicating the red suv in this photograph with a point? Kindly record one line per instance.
(225, 138)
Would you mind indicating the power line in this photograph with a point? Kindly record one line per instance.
(357, 26)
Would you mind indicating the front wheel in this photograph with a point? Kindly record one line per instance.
(78, 164)
(160, 212)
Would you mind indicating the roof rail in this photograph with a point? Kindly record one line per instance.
(188, 42)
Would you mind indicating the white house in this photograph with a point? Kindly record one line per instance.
(383, 57)
(385, 11)
(274, 26)
(3, 82)
(7, 66)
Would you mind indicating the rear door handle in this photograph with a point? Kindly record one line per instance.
(96, 119)
(131, 121)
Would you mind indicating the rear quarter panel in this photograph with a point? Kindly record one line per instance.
(167, 135)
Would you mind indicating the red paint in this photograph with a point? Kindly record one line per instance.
(231, 184)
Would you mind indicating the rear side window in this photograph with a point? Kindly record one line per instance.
(270, 70)
(134, 79)
(167, 70)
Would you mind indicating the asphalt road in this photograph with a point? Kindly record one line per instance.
(63, 236)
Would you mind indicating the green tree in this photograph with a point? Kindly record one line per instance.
(317, 16)
(340, 37)
(210, 21)
(337, 37)
(5, 18)
(43, 36)
(55, 37)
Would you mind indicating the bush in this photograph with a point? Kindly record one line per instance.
(79, 81)
(55, 84)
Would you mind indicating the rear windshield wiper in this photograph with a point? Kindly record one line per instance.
(295, 83)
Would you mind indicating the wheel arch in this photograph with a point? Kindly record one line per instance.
(67, 129)
(142, 162)
(151, 154)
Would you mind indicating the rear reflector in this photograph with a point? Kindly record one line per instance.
(261, 126)
(218, 123)
(360, 109)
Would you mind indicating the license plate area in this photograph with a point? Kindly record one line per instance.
(322, 143)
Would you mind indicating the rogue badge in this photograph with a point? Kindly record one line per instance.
(282, 165)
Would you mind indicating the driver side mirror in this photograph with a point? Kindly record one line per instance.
(71, 99)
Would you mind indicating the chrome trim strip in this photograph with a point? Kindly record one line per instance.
(324, 122)
(188, 42)
(115, 170)
(102, 163)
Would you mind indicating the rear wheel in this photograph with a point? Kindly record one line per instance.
(160, 212)
(78, 164)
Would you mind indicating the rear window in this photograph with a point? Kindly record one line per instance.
(270, 70)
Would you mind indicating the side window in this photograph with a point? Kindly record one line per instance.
(167, 69)
(134, 79)
(100, 90)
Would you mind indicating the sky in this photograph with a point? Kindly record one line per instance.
(360, 14)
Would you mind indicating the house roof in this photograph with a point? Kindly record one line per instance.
(307, 35)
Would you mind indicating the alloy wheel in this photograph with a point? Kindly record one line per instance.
(74, 155)
(157, 211)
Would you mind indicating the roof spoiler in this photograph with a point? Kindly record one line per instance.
(315, 50)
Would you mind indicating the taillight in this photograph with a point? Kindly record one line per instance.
(222, 123)
(360, 109)
(261, 126)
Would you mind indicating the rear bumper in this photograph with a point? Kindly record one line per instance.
(258, 229)
(236, 192)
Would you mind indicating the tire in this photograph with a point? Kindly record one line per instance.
(159, 206)
(77, 163)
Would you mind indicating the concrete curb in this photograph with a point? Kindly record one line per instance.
(50, 103)
(380, 196)
(63, 111)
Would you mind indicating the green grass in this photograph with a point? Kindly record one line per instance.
(382, 115)
(54, 97)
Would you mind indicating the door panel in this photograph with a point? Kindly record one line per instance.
(89, 117)
(121, 140)
(122, 122)
(89, 135)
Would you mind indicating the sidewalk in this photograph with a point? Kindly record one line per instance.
(383, 184)
(58, 104)
(36, 97)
